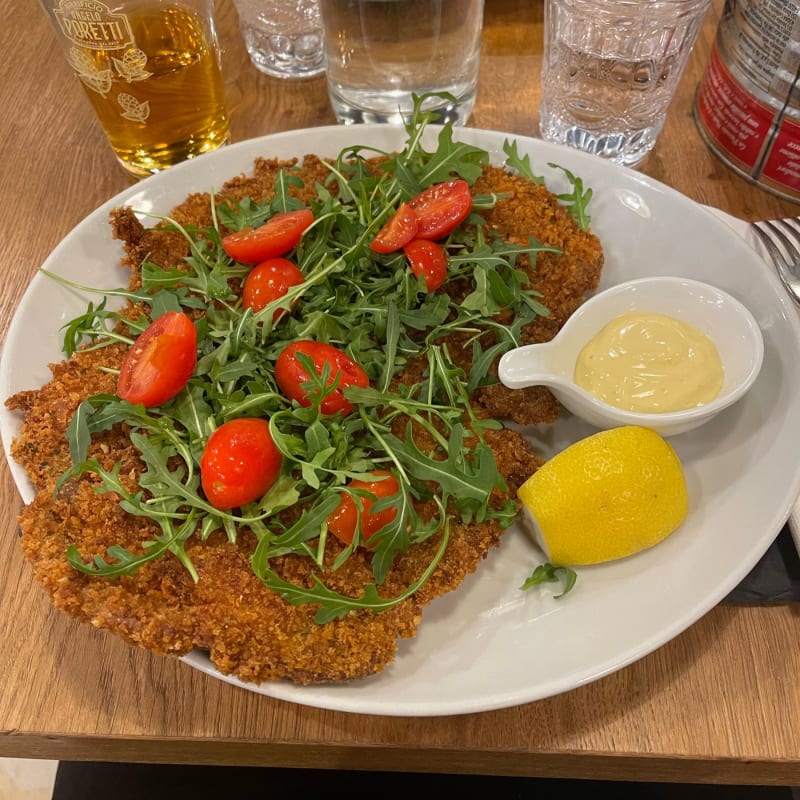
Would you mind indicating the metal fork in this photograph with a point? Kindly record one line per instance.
(781, 238)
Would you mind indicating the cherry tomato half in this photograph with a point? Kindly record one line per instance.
(291, 375)
(277, 236)
(400, 229)
(160, 361)
(239, 463)
(343, 521)
(441, 208)
(269, 281)
(428, 260)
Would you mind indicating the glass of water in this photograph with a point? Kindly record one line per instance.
(283, 37)
(610, 70)
(381, 52)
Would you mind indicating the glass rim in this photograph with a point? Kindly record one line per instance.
(639, 6)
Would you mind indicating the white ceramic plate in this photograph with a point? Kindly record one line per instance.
(488, 645)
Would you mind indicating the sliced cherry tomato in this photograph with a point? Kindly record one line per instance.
(399, 230)
(427, 260)
(270, 281)
(344, 520)
(291, 374)
(441, 208)
(160, 361)
(277, 236)
(239, 463)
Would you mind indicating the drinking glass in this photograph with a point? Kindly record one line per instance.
(381, 52)
(151, 70)
(610, 70)
(283, 37)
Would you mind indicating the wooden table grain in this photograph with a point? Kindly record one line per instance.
(720, 703)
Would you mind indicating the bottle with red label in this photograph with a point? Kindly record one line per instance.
(747, 106)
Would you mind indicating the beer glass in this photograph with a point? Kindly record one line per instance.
(151, 70)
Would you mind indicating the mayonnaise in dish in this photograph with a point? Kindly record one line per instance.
(652, 363)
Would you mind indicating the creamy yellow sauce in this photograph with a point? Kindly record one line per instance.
(648, 362)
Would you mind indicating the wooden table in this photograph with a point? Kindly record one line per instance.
(720, 703)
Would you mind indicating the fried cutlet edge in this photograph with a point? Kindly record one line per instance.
(249, 631)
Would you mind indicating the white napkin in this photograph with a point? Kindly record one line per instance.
(743, 229)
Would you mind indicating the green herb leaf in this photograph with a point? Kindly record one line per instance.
(126, 563)
(551, 573)
(247, 213)
(578, 200)
(522, 164)
(334, 605)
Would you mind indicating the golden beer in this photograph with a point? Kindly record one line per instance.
(152, 73)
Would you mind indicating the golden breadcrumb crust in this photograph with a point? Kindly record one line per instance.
(248, 630)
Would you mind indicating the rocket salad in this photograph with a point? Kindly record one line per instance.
(328, 441)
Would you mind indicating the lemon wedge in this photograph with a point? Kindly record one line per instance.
(608, 496)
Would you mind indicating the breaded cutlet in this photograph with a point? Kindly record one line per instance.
(248, 630)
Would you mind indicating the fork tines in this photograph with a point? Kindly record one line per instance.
(781, 238)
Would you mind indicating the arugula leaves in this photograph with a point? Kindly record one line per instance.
(576, 201)
(552, 573)
(372, 306)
